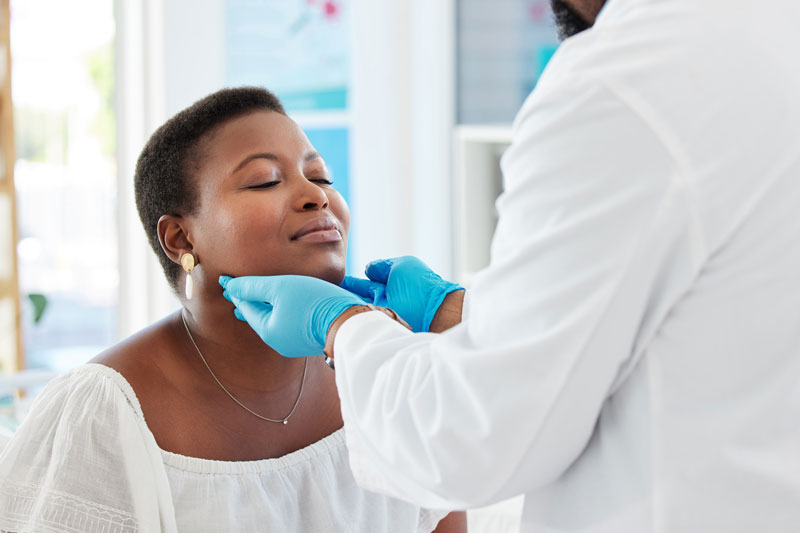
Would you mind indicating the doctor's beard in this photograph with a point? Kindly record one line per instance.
(568, 22)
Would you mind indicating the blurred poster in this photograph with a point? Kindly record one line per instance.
(503, 47)
(333, 145)
(298, 49)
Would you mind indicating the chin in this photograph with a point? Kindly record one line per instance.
(330, 268)
(327, 266)
(334, 274)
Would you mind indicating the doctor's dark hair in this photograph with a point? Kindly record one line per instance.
(163, 181)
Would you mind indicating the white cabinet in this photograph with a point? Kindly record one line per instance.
(477, 184)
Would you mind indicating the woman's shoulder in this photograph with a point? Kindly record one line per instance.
(82, 395)
(90, 375)
(140, 357)
(83, 451)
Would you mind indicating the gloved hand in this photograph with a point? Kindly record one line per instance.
(292, 314)
(405, 285)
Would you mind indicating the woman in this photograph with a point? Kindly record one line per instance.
(194, 424)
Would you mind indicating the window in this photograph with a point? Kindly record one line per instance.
(65, 176)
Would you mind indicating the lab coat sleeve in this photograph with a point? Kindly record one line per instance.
(596, 240)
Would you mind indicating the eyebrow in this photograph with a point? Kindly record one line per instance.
(310, 156)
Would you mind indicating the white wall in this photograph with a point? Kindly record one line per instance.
(403, 112)
(193, 51)
(144, 294)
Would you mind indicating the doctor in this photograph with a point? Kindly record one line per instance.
(630, 360)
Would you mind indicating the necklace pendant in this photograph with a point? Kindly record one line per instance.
(285, 421)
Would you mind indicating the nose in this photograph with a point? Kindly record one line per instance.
(310, 196)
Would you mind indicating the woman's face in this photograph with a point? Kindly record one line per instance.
(266, 204)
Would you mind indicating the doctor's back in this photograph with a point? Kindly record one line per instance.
(700, 428)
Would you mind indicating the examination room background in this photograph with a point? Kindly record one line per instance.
(409, 102)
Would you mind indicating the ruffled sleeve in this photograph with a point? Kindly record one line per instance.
(84, 460)
(429, 519)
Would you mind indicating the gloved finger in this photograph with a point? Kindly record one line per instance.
(238, 314)
(369, 290)
(255, 313)
(379, 270)
(252, 288)
(227, 296)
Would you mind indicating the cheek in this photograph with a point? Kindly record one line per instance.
(237, 236)
(243, 222)
(339, 209)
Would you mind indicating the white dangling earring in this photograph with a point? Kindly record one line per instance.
(187, 262)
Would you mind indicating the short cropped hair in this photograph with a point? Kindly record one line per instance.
(163, 183)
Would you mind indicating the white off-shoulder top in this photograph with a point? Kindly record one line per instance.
(85, 461)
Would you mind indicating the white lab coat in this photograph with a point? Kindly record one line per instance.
(630, 360)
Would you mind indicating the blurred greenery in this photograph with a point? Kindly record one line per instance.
(101, 69)
(39, 302)
(41, 135)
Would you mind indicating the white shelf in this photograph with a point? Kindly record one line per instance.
(484, 133)
(477, 184)
(24, 379)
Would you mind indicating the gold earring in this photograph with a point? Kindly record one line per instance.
(187, 262)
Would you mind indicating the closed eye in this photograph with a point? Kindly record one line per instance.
(266, 185)
(322, 181)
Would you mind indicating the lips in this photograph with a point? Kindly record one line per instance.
(319, 225)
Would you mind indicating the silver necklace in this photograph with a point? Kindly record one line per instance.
(284, 420)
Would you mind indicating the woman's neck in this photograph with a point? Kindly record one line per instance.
(235, 353)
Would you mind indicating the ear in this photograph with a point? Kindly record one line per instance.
(173, 234)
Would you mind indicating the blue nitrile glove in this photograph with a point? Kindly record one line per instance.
(405, 285)
(292, 314)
